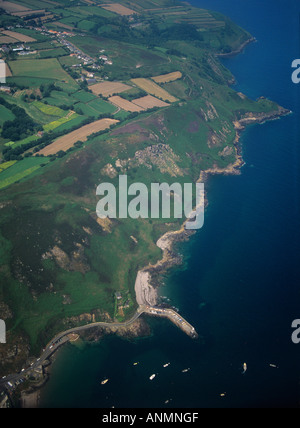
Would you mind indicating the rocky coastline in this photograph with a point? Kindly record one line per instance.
(148, 278)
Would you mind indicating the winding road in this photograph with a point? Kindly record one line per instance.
(59, 340)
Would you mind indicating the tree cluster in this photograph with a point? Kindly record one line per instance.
(19, 127)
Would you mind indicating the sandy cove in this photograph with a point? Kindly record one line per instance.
(146, 293)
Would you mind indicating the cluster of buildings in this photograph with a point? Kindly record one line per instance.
(105, 59)
(61, 36)
(122, 303)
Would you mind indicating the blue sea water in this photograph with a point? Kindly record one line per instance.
(240, 283)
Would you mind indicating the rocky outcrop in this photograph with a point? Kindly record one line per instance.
(139, 328)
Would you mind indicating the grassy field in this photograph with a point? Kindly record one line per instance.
(25, 141)
(101, 106)
(84, 96)
(85, 109)
(5, 165)
(95, 108)
(40, 69)
(57, 123)
(49, 110)
(52, 53)
(59, 98)
(20, 170)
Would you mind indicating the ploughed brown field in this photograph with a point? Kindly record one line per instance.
(166, 78)
(119, 9)
(67, 141)
(5, 40)
(149, 102)
(12, 7)
(18, 36)
(124, 104)
(106, 89)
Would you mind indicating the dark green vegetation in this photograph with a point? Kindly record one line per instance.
(58, 261)
(20, 126)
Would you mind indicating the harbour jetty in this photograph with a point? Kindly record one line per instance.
(174, 317)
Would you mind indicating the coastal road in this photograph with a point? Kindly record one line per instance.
(11, 381)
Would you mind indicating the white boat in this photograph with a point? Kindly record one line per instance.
(185, 370)
(135, 364)
(166, 365)
(152, 377)
(104, 381)
(245, 368)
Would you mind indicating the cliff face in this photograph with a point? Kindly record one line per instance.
(168, 240)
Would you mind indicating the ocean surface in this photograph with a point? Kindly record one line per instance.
(239, 285)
